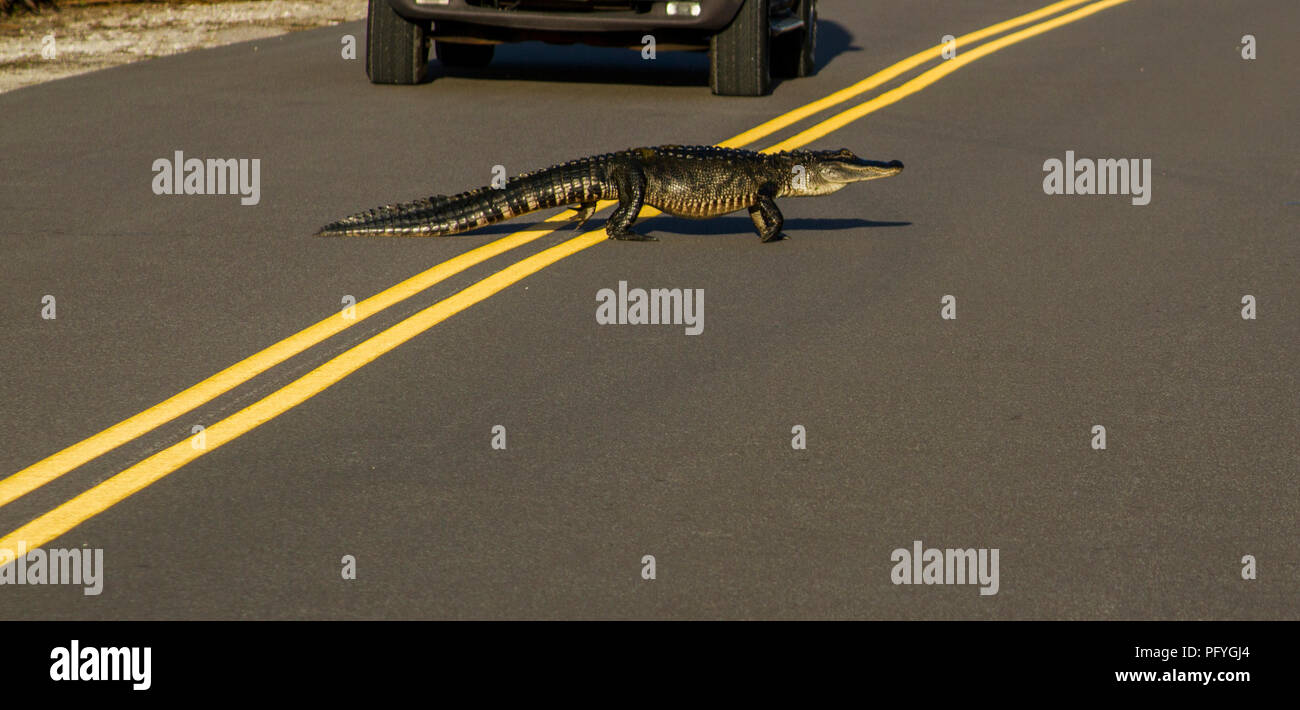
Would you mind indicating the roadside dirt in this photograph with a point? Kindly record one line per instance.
(80, 38)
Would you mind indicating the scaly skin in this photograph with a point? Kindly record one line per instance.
(684, 181)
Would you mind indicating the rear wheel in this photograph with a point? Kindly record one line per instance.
(739, 56)
(793, 53)
(454, 54)
(397, 49)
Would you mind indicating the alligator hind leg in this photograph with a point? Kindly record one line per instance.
(585, 211)
(767, 219)
(631, 196)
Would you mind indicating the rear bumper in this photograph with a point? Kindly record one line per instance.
(714, 15)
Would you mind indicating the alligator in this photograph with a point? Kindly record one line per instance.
(684, 181)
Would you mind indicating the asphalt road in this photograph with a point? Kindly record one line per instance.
(626, 441)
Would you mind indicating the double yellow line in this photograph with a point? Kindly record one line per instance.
(106, 494)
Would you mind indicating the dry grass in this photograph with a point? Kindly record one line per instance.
(9, 7)
(95, 34)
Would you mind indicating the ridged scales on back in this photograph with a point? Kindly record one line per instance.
(684, 181)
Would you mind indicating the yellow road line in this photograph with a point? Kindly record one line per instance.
(911, 87)
(884, 75)
(104, 495)
(58, 464)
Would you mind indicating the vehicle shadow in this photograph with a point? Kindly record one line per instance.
(585, 64)
(833, 39)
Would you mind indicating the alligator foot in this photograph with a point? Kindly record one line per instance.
(584, 213)
(767, 219)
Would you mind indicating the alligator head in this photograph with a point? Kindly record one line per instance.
(826, 171)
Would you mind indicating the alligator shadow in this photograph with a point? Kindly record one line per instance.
(743, 225)
(586, 64)
(678, 225)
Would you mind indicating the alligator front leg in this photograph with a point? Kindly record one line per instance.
(631, 184)
(767, 219)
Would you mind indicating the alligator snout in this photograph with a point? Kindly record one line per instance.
(891, 167)
(861, 169)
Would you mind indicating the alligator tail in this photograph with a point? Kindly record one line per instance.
(575, 182)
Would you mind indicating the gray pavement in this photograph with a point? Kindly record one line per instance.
(624, 441)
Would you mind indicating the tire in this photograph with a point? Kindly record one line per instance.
(397, 50)
(740, 55)
(794, 53)
(454, 54)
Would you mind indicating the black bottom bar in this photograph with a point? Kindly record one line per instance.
(931, 658)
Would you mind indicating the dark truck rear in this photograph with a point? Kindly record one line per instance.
(748, 41)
